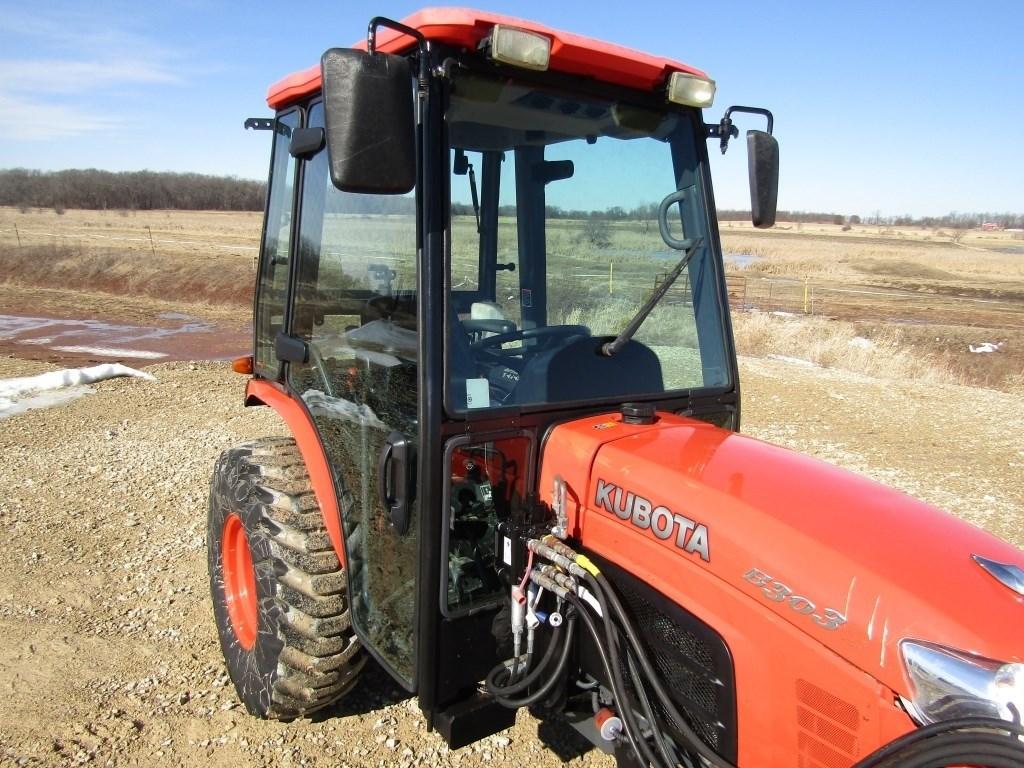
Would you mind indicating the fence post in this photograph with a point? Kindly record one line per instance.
(152, 246)
(17, 234)
(611, 274)
(807, 293)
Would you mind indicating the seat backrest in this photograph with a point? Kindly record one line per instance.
(461, 362)
(579, 371)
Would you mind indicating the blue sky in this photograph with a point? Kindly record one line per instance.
(899, 107)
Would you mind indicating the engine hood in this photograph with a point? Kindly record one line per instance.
(854, 564)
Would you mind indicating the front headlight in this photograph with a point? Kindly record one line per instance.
(947, 684)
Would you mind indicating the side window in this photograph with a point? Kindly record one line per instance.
(273, 279)
(355, 306)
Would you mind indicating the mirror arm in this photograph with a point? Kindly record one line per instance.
(725, 130)
(421, 41)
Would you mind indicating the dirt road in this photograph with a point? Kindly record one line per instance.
(108, 652)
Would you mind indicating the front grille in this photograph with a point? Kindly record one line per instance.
(692, 660)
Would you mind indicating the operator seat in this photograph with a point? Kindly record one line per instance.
(461, 364)
(579, 370)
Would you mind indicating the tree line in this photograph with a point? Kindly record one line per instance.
(146, 190)
(649, 213)
(128, 190)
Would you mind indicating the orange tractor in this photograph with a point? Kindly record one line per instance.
(491, 310)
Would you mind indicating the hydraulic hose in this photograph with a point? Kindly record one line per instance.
(606, 663)
(552, 679)
(969, 740)
(645, 703)
(694, 741)
(516, 686)
(611, 609)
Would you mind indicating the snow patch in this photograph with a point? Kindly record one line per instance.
(859, 342)
(56, 387)
(143, 354)
(985, 346)
(320, 404)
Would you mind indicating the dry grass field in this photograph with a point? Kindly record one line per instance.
(922, 298)
(893, 302)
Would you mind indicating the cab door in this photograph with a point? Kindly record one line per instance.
(354, 305)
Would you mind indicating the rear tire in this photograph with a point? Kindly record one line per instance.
(278, 589)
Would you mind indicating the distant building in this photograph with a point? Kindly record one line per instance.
(991, 226)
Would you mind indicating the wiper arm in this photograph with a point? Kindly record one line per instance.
(476, 198)
(611, 347)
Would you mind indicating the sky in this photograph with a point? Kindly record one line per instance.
(889, 107)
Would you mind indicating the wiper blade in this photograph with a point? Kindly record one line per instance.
(611, 347)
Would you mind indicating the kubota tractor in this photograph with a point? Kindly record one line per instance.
(491, 310)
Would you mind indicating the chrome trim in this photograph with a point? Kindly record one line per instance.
(947, 684)
(1011, 576)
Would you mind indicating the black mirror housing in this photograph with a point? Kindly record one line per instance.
(763, 170)
(369, 111)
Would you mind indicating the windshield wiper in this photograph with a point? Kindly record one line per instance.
(476, 198)
(611, 347)
(461, 167)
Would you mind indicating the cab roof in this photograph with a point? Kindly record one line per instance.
(465, 27)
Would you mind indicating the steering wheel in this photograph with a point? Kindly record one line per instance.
(540, 332)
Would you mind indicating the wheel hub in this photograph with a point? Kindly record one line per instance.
(239, 581)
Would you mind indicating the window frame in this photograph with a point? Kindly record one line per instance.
(261, 371)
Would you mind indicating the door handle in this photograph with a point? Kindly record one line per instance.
(395, 480)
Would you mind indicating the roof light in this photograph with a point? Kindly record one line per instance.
(520, 48)
(690, 90)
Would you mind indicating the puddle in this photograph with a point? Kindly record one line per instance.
(183, 338)
(740, 259)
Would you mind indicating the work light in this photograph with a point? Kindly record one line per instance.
(690, 90)
(511, 45)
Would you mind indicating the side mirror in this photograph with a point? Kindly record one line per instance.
(763, 169)
(548, 171)
(369, 111)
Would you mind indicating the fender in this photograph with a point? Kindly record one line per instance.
(300, 424)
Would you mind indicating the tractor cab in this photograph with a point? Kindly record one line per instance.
(478, 228)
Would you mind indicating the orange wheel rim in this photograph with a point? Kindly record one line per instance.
(239, 581)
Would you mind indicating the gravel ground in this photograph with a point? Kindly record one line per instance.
(108, 652)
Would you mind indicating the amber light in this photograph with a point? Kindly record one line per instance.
(242, 365)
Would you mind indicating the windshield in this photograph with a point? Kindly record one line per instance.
(555, 247)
